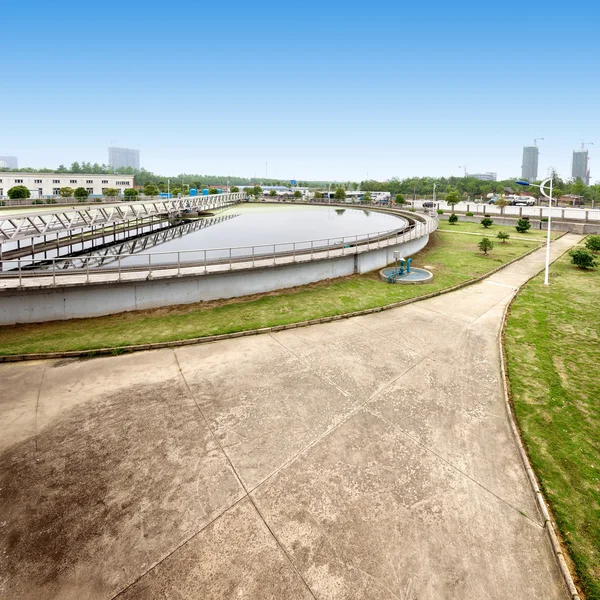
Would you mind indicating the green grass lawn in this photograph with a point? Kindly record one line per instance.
(451, 258)
(553, 352)
(492, 231)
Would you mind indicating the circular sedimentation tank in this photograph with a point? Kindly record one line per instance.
(415, 276)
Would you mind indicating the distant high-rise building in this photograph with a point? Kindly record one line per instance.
(483, 176)
(123, 157)
(580, 169)
(529, 167)
(12, 162)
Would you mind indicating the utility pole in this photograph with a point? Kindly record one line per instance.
(463, 167)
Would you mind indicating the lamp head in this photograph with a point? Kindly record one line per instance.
(522, 182)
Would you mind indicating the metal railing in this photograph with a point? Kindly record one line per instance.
(203, 261)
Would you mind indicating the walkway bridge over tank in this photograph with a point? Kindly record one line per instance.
(43, 221)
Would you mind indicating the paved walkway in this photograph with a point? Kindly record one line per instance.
(369, 458)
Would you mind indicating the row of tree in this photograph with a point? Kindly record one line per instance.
(410, 187)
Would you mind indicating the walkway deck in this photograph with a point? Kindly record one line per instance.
(369, 458)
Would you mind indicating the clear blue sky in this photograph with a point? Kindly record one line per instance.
(319, 90)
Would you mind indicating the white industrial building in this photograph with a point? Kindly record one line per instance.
(42, 185)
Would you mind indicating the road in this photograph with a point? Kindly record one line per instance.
(365, 458)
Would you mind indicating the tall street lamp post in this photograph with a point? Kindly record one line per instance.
(541, 186)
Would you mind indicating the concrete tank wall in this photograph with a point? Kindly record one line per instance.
(92, 300)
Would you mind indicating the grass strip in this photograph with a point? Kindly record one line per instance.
(553, 360)
(452, 259)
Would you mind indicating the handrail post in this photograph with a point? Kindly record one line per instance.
(54, 272)
(149, 266)
(178, 264)
(20, 280)
(87, 269)
(294, 252)
(327, 248)
(230, 265)
(205, 268)
(119, 263)
(253, 256)
(312, 248)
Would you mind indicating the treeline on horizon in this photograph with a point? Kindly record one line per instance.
(409, 187)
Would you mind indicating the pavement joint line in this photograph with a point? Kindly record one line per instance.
(387, 337)
(512, 287)
(334, 426)
(183, 543)
(453, 467)
(37, 405)
(240, 481)
(342, 391)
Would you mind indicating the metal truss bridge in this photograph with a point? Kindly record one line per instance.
(110, 253)
(30, 224)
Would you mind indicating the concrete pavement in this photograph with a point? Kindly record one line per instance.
(365, 458)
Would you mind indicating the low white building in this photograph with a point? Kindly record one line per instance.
(48, 184)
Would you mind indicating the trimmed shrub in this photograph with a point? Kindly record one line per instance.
(592, 243)
(523, 225)
(487, 222)
(453, 219)
(503, 236)
(440, 211)
(468, 214)
(582, 259)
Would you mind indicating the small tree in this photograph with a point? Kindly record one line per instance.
(487, 222)
(582, 259)
(592, 243)
(453, 219)
(340, 194)
(523, 225)
(367, 198)
(111, 192)
(66, 192)
(297, 194)
(176, 191)
(81, 193)
(150, 190)
(213, 190)
(272, 193)
(503, 236)
(318, 196)
(234, 189)
(400, 200)
(452, 197)
(131, 193)
(502, 202)
(485, 244)
(18, 191)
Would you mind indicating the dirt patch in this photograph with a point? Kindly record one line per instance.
(105, 491)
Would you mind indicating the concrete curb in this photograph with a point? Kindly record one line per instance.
(214, 338)
(549, 524)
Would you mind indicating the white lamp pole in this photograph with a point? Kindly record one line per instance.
(549, 226)
(541, 186)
